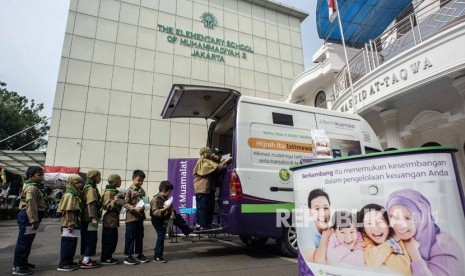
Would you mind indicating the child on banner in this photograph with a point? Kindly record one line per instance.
(383, 247)
(345, 243)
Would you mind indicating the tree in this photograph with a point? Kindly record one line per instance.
(17, 113)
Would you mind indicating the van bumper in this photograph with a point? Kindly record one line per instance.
(238, 221)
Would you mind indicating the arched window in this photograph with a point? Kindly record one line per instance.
(320, 100)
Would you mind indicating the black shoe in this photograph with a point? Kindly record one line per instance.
(22, 271)
(68, 267)
(110, 261)
(160, 260)
(30, 266)
(131, 261)
(214, 225)
(141, 258)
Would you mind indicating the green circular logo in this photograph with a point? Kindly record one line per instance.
(208, 20)
(284, 175)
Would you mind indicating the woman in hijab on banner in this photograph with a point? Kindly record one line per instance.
(203, 169)
(432, 252)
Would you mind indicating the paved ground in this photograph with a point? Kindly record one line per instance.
(208, 256)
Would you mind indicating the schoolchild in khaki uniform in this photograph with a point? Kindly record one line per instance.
(91, 215)
(160, 214)
(112, 205)
(134, 220)
(32, 209)
(70, 207)
(203, 170)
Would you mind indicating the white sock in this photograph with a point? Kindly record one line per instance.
(86, 259)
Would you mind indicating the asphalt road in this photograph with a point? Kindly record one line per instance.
(220, 255)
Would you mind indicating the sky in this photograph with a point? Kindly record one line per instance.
(32, 34)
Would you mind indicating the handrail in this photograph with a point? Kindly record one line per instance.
(404, 35)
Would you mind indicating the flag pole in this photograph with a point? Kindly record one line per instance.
(345, 54)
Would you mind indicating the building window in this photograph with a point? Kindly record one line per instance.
(442, 3)
(405, 26)
(320, 100)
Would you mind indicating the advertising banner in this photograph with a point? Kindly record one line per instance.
(180, 174)
(392, 213)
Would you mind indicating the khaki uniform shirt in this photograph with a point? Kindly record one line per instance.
(91, 210)
(133, 196)
(112, 208)
(32, 200)
(202, 183)
(156, 207)
(70, 217)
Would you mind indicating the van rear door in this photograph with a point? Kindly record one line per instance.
(196, 101)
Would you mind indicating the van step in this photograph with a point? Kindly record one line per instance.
(210, 231)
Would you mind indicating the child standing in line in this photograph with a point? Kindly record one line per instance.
(203, 170)
(112, 205)
(32, 209)
(91, 216)
(70, 208)
(135, 217)
(160, 214)
(345, 243)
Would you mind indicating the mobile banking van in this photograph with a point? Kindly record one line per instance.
(265, 138)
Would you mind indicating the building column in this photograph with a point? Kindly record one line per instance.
(459, 84)
(450, 137)
(393, 138)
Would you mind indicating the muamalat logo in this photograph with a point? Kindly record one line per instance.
(209, 20)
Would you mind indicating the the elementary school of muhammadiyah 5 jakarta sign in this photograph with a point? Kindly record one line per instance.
(206, 46)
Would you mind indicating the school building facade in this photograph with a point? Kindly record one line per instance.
(121, 57)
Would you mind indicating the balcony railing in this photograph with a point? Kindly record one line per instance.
(405, 34)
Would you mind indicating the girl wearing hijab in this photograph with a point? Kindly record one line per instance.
(202, 171)
(431, 251)
(70, 208)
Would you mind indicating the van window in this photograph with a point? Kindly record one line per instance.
(221, 133)
(282, 119)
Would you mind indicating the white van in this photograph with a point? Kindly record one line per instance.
(265, 138)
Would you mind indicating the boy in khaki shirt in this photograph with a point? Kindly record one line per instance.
(135, 217)
(32, 209)
(161, 213)
(112, 205)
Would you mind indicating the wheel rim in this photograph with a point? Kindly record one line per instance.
(292, 237)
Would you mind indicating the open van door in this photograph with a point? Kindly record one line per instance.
(196, 101)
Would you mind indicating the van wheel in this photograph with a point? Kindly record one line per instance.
(253, 240)
(287, 244)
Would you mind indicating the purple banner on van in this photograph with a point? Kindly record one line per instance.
(180, 173)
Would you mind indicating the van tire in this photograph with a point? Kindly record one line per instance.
(287, 244)
(253, 240)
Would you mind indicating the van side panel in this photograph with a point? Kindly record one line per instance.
(264, 150)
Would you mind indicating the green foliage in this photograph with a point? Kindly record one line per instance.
(16, 114)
